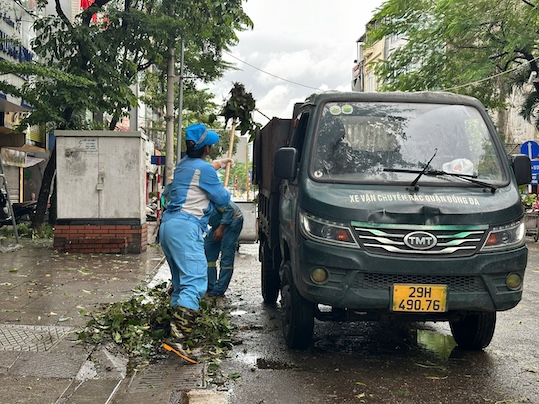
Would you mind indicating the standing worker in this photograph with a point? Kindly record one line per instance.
(226, 224)
(193, 194)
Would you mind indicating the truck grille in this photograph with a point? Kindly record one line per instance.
(454, 241)
(374, 281)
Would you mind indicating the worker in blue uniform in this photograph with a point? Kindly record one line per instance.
(193, 194)
(226, 224)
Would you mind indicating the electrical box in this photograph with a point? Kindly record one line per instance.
(101, 175)
(101, 192)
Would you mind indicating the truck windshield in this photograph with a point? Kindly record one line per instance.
(374, 142)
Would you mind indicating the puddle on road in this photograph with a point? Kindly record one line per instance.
(238, 313)
(254, 360)
(262, 363)
(436, 342)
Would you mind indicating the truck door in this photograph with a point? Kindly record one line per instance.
(289, 188)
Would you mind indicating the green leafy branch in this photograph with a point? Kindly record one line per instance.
(140, 325)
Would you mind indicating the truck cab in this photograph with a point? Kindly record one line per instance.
(400, 206)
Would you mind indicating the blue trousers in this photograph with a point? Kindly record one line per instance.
(218, 283)
(182, 243)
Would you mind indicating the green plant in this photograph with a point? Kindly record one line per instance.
(528, 199)
(140, 325)
(24, 230)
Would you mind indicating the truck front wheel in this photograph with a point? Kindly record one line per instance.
(270, 275)
(475, 331)
(298, 314)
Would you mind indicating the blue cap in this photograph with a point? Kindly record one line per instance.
(200, 135)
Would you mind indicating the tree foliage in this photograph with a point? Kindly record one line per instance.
(92, 62)
(239, 107)
(480, 48)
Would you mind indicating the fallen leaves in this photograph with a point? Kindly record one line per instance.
(140, 324)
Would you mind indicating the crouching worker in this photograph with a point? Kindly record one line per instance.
(192, 195)
(226, 225)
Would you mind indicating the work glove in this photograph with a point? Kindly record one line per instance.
(223, 162)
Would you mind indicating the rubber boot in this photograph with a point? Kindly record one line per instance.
(181, 326)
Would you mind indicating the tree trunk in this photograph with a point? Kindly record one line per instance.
(44, 191)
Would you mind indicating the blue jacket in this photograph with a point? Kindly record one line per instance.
(195, 191)
(225, 215)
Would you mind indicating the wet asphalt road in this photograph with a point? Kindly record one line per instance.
(348, 363)
(377, 363)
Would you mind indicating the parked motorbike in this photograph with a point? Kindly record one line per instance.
(151, 210)
(22, 211)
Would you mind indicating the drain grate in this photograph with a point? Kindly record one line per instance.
(30, 338)
(179, 377)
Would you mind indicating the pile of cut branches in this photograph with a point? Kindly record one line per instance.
(140, 325)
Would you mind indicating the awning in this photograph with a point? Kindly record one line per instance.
(18, 158)
(32, 161)
(11, 138)
(28, 148)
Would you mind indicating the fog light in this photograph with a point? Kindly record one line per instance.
(319, 275)
(513, 281)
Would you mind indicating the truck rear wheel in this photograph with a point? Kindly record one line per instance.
(270, 275)
(475, 331)
(298, 314)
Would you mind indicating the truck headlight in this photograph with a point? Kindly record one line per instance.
(325, 230)
(504, 237)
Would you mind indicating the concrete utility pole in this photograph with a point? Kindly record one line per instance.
(180, 108)
(169, 117)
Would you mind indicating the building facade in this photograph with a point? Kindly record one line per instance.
(21, 151)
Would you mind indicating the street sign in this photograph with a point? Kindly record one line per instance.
(530, 149)
(535, 171)
(158, 160)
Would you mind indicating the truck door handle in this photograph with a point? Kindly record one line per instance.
(285, 189)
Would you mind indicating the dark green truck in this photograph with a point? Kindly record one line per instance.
(398, 206)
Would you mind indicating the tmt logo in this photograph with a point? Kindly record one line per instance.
(420, 240)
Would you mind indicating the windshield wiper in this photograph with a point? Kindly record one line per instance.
(467, 177)
(414, 182)
(434, 173)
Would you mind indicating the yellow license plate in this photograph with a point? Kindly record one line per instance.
(420, 298)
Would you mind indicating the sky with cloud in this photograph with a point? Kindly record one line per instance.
(297, 47)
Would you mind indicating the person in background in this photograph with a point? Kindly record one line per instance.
(193, 194)
(226, 224)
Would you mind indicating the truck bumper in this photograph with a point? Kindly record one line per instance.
(363, 282)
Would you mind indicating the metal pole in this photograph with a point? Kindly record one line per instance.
(8, 201)
(248, 188)
(180, 109)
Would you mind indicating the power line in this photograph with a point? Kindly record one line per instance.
(490, 77)
(270, 74)
(447, 89)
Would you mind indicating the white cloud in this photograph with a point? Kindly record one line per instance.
(295, 47)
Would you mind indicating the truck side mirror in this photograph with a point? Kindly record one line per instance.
(286, 163)
(522, 168)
